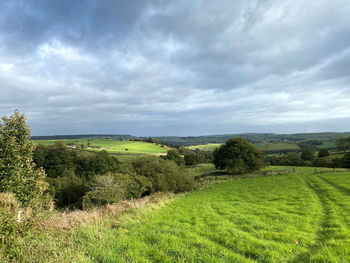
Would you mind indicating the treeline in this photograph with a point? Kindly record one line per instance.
(84, 136)
(308, 158)
(81, 180)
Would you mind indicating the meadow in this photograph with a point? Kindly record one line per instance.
(112, 146)
(280, 214)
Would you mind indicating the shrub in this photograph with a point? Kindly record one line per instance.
(14, 220)
(164, 175)
(113, 187)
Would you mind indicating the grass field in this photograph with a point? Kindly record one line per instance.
(113, 146)
(210, 147)
(298, 216)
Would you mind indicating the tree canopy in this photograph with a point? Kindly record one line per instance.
(17, 172)
(238, 156)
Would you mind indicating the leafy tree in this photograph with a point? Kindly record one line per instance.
(343, 144)
(175, 156)
(238, 156)
(307, 155)
(323, 153)
(17, 172)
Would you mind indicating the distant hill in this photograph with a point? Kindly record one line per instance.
(195, 140)
(254, 138)
(84, 136)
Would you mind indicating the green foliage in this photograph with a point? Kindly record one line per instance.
(289, 159)
(17, 172)
(194, 158)
(68, 189)
(164, 175)
(175, 156)
(346, 160)
(307, 155)
(113, 187)
(343, 144)
(323, 153)
(238, 156)
(69, 170)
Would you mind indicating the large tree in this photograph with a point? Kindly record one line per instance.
(17, 172)
(238, 156)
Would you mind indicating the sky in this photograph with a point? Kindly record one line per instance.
(181, 68)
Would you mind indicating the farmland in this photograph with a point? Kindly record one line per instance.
(285, 215)
(112, 146)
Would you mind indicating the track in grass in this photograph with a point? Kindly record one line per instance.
(300, 217)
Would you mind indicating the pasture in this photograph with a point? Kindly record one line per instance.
(112, 146)
(279, 215)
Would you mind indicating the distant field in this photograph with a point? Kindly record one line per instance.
(275, 146)
(333, 156)
(328, 144)
(210, 147)
(290, 215)
(264, 146)
(113, 146)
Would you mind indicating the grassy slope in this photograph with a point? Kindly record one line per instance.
(114, 146)
(210, 147)
(298, 217)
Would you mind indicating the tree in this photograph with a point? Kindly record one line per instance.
(346, 160)
(175, 156)
(323, 153)
(238, 156)
(17, 172)
(307, 155)
(343, 144)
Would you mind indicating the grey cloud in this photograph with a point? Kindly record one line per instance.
(161, 67)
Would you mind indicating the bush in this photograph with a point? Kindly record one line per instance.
(13, 219)
(164, 175)
(113, 187)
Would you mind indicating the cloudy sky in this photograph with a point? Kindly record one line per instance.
(182, 67)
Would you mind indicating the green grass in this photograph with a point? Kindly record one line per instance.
(333, 156)
(200, 169)
(328, 144)
(114, 146)
(299, 215)
(210, 147)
